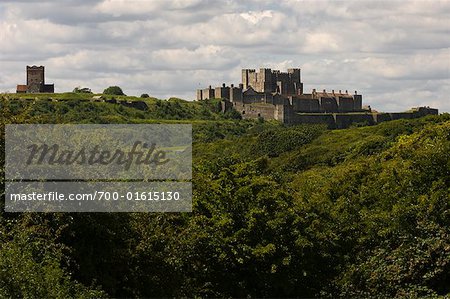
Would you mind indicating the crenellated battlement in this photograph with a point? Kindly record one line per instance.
(277, 87)
(35, 81)
(268, 80)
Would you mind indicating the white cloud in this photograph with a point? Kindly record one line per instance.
(396, 53)
(423, 66)
(206, 57)
(255, 17)
(139, 7)
(318, 42)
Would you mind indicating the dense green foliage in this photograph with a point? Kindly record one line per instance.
(114, 90)
(277, 212)
(79, 108)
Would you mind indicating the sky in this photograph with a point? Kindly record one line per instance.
(395, 53)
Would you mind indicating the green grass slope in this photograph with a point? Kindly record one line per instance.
(278, 211)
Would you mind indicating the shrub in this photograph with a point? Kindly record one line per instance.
(79, 89)
(114, 90)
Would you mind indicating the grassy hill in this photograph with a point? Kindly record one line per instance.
(278, 211)
(82, 107)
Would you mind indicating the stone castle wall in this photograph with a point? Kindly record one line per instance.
(275, 87)
(256, 110)
(271, 94)
(333, 120)
(35, 78)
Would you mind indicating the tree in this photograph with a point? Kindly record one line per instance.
(79, 89)
(145, 95)
(114, 90)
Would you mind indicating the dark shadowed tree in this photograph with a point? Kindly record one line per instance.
(114, 90)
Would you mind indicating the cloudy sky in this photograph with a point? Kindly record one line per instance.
(395, 53)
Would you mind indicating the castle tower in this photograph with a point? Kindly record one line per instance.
(35, 78)
(249, 78)
(270, 81)
(266, 81)
(245, 78)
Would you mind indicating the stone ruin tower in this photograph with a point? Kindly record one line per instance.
(270, 81)
(35, 81)
(35, 78)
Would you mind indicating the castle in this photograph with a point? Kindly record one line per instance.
(271, 94)
(35, 81)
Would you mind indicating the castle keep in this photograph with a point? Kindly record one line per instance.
(268, 81)
(279, 88)
(35, 81)
(271, 94)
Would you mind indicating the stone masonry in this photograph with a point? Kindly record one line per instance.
(271, 94)
(36, 81)
(282, 88)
